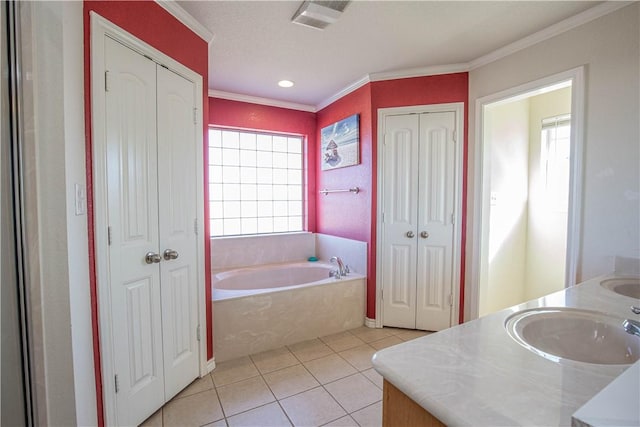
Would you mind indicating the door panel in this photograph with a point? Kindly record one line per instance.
(436, 197)
(133, 220)
(177, 159)
(400, 218)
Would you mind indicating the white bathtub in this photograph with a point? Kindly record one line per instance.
(265, 307)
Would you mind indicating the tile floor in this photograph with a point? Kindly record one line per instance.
(327, 381)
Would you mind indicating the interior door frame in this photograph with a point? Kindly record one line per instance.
(482, 177)
(383, 113)
(101, 28)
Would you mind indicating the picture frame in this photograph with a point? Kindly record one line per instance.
(340, 143)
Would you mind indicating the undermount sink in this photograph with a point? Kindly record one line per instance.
(629, 287)
(561, 334)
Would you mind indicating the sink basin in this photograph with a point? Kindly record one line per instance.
(628, 287)
(562, 334)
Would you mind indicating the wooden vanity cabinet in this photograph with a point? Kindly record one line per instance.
(399, 410)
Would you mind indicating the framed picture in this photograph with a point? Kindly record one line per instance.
(340, 145)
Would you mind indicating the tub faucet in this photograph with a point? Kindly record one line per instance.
(631, 327)
(342, 270)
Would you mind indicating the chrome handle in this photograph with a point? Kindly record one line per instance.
(170, 254)
(410, 234)
(424, 234)
(152, 258)
(636, 310)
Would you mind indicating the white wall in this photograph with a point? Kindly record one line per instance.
(58, 249)
(609, 49)
(547, 227)
(507, 139)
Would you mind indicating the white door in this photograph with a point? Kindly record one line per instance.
(133, 228)
(419, 200)
(151, 169)
(177, 159)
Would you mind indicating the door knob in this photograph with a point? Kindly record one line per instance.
(152, 258)
(170, 254)
(424, 234)
(410, 234)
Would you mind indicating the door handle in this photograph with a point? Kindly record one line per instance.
(410, 234)
(170, 254)
(424, 234)
(152, 258)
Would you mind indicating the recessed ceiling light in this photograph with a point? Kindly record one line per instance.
(285, 83)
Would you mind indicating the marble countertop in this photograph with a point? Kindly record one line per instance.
(476, 374)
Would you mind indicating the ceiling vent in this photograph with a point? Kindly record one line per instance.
(319, 14)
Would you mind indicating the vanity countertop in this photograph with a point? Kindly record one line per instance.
(476, 374)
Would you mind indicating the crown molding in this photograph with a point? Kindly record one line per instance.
(347, 90)
(420, 72)
(568, 24)
(260, 101)
(183, 16)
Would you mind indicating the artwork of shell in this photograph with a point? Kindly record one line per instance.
(340, 143)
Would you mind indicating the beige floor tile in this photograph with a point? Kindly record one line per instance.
(273, 360)
(233, 371)
(342, 341)
(371, 334)
(219, 423)
(195, 410)
(312, 408)
(343, 422)
(386, 342)
(374, 377)
(270, 415)
(394, 331)
(412, 334)
(371, 416)
(354, 392)
(244, 395)
(329, 368)
(359, 357)
(201, 384)
(309, 350)
(154, 420)
(289, 381)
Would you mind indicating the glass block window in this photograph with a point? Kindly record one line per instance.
(255, 182)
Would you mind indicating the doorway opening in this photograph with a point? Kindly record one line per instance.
(528, 202)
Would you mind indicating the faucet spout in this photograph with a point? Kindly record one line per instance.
(631, 327)
(342, 271)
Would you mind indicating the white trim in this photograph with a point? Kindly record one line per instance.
(344, 92)
(101, 28)
(370, 323)
(260, 101)
(419, 72)
(458, 109)
(483, 169)
(186, 19)
(570, 23)
(211, 365)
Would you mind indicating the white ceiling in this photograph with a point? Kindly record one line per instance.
(255, 44)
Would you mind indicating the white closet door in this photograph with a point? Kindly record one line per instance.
(131, 145)
(400, 220)
(177, 158)
(436, 196)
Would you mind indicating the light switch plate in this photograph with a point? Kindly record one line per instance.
(81, 199)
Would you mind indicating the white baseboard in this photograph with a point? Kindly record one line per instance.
(369, 323)
(211, 365)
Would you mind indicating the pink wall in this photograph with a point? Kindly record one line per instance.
(352, 216)
(143, 19)
(243, 115)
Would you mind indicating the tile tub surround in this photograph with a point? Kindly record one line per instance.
(352, 252)
(475, 374)
(256, 323)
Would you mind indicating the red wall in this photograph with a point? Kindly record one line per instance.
(152, 24)
(359, 222)
(243, 115)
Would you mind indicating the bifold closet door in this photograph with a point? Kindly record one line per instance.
(152, 209)
(418, 208)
